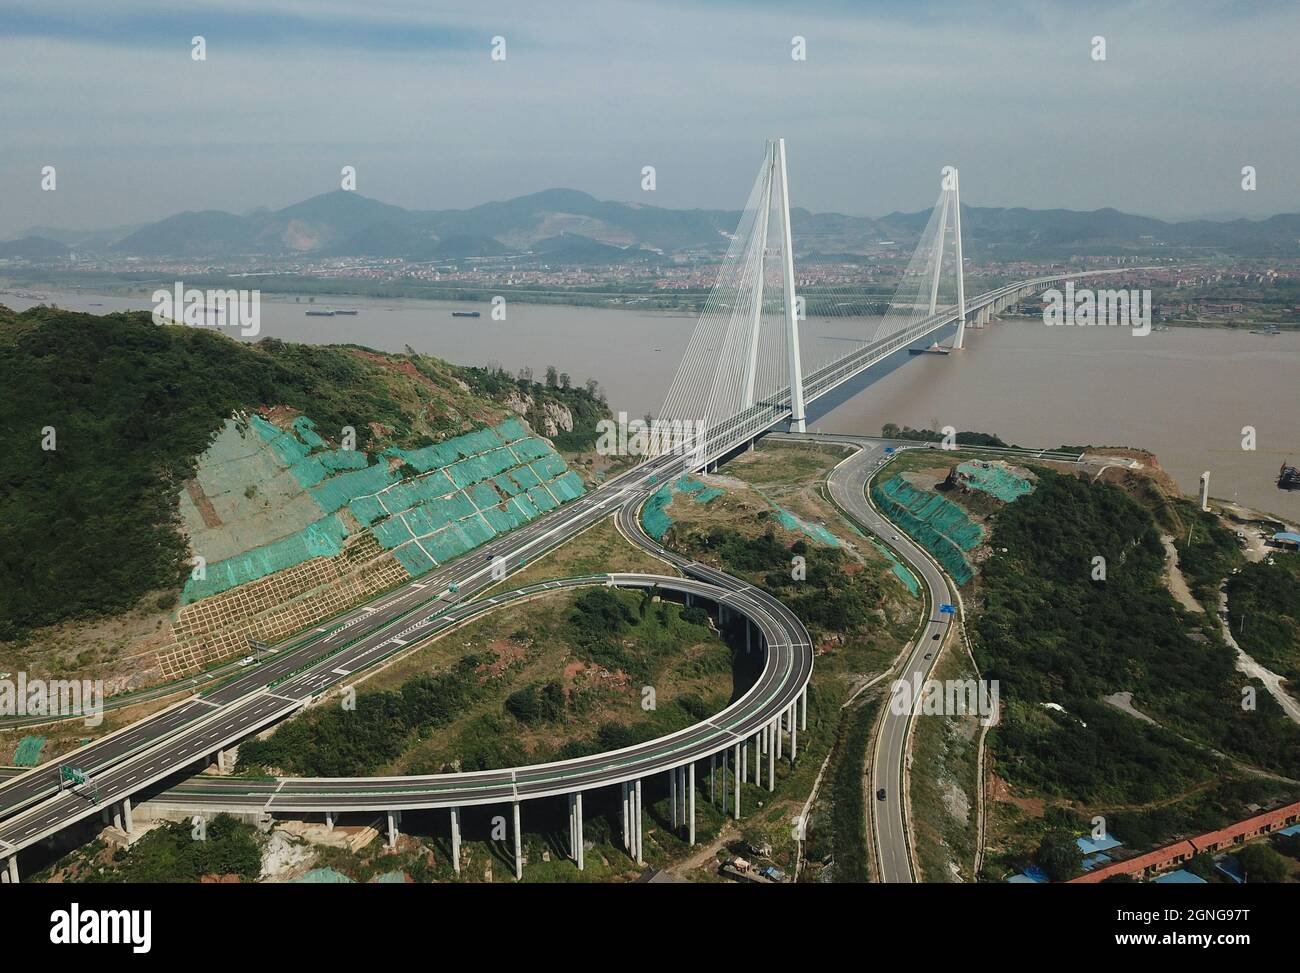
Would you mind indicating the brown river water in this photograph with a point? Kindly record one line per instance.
(1185, 394)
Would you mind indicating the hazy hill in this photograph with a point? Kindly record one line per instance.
(33, 248)
(343, 223)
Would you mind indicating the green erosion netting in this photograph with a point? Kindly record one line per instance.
(790, 521)
(471, 489)
(995, 480)
(654, 515)
(940, 526)
(28, 752)
(324, 538)
(323, 876)
(901, 571)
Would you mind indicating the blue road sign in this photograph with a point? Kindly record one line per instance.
(889, 449)
(948, 609)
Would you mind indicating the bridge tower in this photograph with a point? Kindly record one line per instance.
(756, 320)
(961, 269)
(791, 315)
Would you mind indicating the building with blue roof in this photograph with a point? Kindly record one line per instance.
(1180, 877)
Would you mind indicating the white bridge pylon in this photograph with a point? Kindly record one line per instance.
(746, 350)
(745, 347)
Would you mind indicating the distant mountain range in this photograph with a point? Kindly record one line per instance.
(565, 226)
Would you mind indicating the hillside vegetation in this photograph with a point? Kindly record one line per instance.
(90, 526)
(1049, 633)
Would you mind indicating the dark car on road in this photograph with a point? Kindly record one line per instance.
(880, 794)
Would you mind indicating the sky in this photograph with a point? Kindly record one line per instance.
(407, 92)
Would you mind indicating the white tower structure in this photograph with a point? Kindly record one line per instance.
(791, 315)
(756, 320)
(961, 269)
(1205, 490)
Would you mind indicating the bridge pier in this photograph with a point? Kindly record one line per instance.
(394, 818)
(455, 839)
(803, 709)
(126, 816)
(627, 818)
(771, 760)
(575, 829)
(329, 820)
(736, 776)
(672, 794)
(690, 811)
(637, 824)
(713, 767)
(519, 846)
(794, 735)
(10, 875)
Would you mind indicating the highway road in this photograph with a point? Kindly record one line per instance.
(788, 665)
(848, 488)
(847, 484)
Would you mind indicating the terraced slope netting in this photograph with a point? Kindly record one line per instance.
(995, 480)
(654, 515)
(901, 571)
(28, 751)
(939, 525)
(466, 491)
(792, 522)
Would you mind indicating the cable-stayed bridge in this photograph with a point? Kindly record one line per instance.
(747, 367)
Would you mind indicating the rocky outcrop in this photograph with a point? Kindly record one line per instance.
(553, 417)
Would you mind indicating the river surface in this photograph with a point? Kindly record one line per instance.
(1185, 394)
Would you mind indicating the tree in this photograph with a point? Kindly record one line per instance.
(1059, 856)
(565, 382)
(552, 376)
(1260, 863)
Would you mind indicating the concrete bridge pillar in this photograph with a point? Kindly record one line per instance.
(10, 874)
(794, 735)
(713, 768)
(637, 822)
(771, 760)
(329, 820)
(455, 839)
(690, 810)
(575, 829)
(803, 709)
(127, 821)
(519, 846)
(394, 817)
(577, 815)
(672, 794)
(736, 777)
(627, 817)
